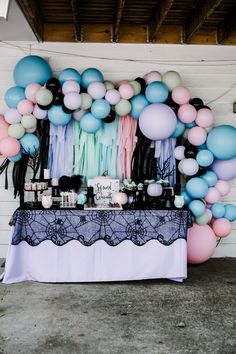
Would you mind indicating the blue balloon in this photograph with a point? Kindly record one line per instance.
(32, 69)
(90, 124)
(91, 75)
(100, 108)
(187, 198)
(221, 141)
(218, 210)
(205, 158)
(69, 74)
(210, 178)
(230, 212)
(14, 95)
(156, 92)
(138, 103)
(57, 116)
(16, 157)
(197, 188)
(197, 207)
(180, 127)
(30, 143)
(190, 125)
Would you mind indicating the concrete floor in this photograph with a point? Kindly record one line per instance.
(146, 317)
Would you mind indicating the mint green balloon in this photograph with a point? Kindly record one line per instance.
(44, 97)
(202, 220)
(136, 86)
(28, 121)
(172, 79)
(109, 85)
(16, 131)
(86, 101)
(123, 107)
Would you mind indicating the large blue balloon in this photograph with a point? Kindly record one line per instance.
(30, 143)
(100, 108)
(14, 95)
(180, 127)
(218, 210)
(69, 74)
(89, 123)
(221, 141)
(210, 177)
(197, 207)
(57, 116)
(197, 188)
(156, 92)
(91, 75)
(32, 69)
(138, 103)
(230, 212)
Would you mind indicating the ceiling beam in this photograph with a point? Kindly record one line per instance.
(227, 27)
(30, 9)
(117, 19)
(195, 21)
(161, 11)
(77, 24)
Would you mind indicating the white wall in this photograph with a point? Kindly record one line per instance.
(208, 71)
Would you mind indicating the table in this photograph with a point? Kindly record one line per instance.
(89, 246)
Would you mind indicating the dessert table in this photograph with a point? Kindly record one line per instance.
(59, 245)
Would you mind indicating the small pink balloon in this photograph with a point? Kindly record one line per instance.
(39, 113)
(201, 243)
(31, 130)
(31, 91)
(96, 90)
(180, 95)
(70, 86)
(12, 116)
(209, 214)
(126, 91)
(72, 100)
(9, 147)
(187, 113)
(3, 128)
(222, 227)
(213, 195)
(223, 187)
(204, 118)
(153, 76)
(25, 107)
(112, 96)
(179, 152)
(189, 166)
(78, 114)
(197, 136)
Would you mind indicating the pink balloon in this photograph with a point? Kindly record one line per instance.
(9, 147)
(25, 107)
(78, 114)
(12, 116)
(126, 91)
(180, 95)
(204, 118)
(70, 86)
(223, 187)
(72, 100)
(121, 82)
(39, 113)
(112, 96)
(209, 214)
(179, 152)
(153, 76)
(197, 136)
(3, 128)
(189, 167)
(31, 91)
(187, 113)
(201, 243)
(96, 90)
(225, 169)
(222, 227)
(213, 195)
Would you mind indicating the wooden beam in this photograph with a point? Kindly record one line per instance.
(227, 27)
(31, 11)
(117, 19)
(77, 24)
(162, 9)
(195, 21)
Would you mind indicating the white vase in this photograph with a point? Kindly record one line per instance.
(47, 201)
(179, 201)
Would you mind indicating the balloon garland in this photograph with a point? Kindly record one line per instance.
(163, 108)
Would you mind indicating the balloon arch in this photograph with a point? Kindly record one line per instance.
(162, 107)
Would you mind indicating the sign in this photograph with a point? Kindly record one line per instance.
(103, 189)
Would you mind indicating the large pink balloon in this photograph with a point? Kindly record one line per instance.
(157, 121)
(197, 136)
(213, 196)
(180, 95)
(204, 118)
(222, 227)
(223, 187)
(3, 128)
(187, 113)
(201, 243)
(9, 147)
(225, 169)
(31, 91)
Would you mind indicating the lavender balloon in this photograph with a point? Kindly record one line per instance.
(225, 169)
(157, 121)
